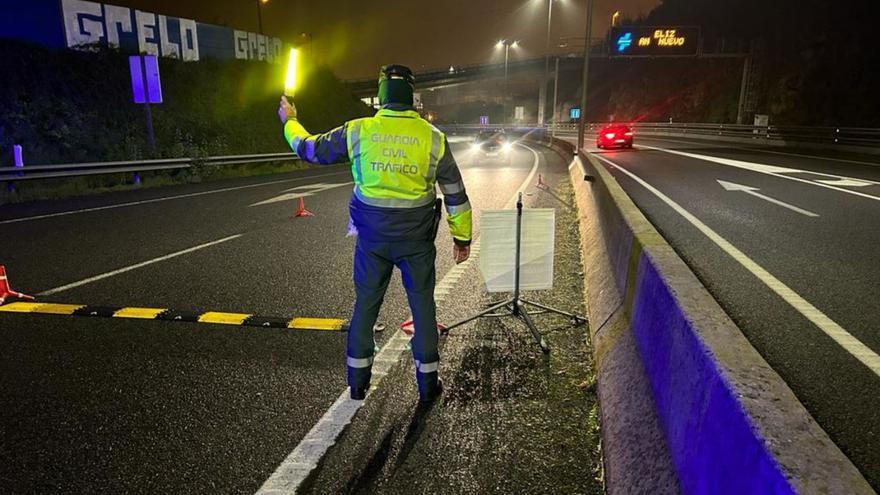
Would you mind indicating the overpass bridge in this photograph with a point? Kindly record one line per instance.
(439, 78)
(460, 74)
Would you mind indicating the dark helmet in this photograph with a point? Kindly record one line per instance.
(396, 83)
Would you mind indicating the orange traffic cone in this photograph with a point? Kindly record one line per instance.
(301, 210)
(6, 291)
(541, 184)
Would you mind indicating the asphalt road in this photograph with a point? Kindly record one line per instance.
(816, 229)
(127, 406)
(511, 419)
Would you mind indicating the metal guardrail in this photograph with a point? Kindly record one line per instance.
(842, 136)
(834, 136)
(32, 172)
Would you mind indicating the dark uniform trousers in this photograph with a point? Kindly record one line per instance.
(373, 264)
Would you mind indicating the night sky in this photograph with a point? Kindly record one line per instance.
(355, 37)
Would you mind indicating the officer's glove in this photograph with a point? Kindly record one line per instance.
(286, 110)
(460, 253)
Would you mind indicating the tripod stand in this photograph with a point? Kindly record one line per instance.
(517, 307)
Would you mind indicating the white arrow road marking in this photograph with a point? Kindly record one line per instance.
(831, 328)
(283, 197)
(320, 186)
(312, 190)
(769, 170)
(732, 186)
(316, 188)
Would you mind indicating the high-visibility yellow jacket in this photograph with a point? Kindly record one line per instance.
(397, 161)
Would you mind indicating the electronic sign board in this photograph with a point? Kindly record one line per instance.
(654, 41)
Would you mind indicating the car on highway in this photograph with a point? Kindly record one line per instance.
(492, 142)
(615, 136)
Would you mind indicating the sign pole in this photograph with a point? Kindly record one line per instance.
(587, 39)
(741, 107)
(151, 140)
(146, 89)
(555, 94)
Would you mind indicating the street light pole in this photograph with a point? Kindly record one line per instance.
(542, 93)
(504, 108)
(507, 45)
(555, 94)
(586, 77)
(260, 13)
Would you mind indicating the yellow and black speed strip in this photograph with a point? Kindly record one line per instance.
(162, 314)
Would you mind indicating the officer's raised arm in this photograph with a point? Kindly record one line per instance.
(324, 149)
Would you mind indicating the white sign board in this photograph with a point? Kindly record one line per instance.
(498, 249)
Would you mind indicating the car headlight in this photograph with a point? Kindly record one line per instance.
(507, 147)
(475, 147)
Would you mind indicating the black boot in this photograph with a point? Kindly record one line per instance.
(359, 393)
(432, 394)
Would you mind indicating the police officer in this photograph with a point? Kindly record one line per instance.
(397, 161)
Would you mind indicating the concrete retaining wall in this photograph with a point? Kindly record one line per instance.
(688, 405)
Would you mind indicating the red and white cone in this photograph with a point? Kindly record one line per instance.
(6, 291)
(301, 210)
(409, 328)
(541, 184)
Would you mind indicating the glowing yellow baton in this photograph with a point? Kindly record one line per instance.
(290, 81)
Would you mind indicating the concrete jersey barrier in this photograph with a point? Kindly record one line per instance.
(688, 405)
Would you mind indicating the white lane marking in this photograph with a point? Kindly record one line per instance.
(767, 169)
(753, 191)
(843, 338)
(63, 288)
(749, 148)
(528, 182)
(305, 191)
(305, 457)
(167, 198)
(847, 182)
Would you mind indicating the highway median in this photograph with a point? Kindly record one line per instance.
(687, 404)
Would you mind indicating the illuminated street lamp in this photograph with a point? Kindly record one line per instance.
(260, 4)
(507, 45)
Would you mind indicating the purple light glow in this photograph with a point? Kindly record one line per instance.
(153, 91)
(19, 161)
